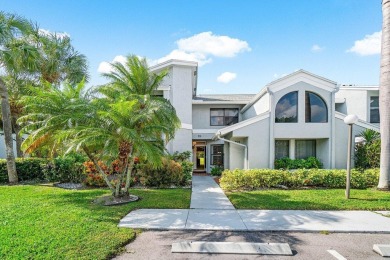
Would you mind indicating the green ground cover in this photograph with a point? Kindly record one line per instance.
(39, 222)
(311, 199)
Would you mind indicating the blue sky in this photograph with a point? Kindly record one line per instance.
(244, 44)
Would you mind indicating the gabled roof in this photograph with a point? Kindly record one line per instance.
(252, 120)
(227, 98)
(361, 123)
(290, 79)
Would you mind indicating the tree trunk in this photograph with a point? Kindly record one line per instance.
(7, 128)
(100, 170)
(384, 99)
(18, 138)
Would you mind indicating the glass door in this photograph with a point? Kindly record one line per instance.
(201, 158)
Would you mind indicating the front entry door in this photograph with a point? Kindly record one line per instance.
(201, 158)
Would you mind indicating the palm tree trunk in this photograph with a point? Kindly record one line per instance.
(7, 128)
(384, 99)
(18, 138)
(95, 162)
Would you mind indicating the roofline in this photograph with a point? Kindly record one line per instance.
(356, 87)
(361, 123)
(255, 99)
(226, 130)
(173, 62)
(201, 102)
(301, 71)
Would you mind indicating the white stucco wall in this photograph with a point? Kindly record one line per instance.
(237, 154)
(259, 107)
(357, 101)
(2, 146)
(341, 136)
(258, 143)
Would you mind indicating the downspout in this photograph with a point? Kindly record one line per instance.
(332, 161)
(271, 129)
(243, 145)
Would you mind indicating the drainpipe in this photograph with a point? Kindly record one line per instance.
(243, 145)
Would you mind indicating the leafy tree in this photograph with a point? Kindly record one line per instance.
(367, 153)
(384, 99)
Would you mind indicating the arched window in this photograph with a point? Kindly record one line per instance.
(286, 110)
(315, 109)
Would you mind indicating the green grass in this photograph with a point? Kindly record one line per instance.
(326, 199)
(39, 222)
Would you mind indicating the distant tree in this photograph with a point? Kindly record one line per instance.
(384, 99)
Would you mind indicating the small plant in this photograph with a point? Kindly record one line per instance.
(217, 170)
(287, 163)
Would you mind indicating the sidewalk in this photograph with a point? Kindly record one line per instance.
(211, 210)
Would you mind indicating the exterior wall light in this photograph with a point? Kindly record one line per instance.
(349, 120)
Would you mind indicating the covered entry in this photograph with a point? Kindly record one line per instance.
(199, 151)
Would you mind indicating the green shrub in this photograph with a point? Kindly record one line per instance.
(63, 169)
(167, 174)
(268, 178)
(187, 168)
(27, 169)
(287, 163)
(216, 170)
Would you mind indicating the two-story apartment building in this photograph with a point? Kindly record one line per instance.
(297, 116)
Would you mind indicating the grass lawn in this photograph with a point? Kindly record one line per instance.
(326, 199)
(39, 222)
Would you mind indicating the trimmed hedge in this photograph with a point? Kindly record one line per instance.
(287, 163)
(268, 178)
(66, 169)
(27, 169)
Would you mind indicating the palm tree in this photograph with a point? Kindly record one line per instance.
(107, 128)
(384, 99)
(15, 55)
(58, 60)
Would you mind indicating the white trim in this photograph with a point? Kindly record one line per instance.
(361, 123)
(301, 71)
(226, 130)
(339, 100)
(173, 62)
(302, 77)
(357, 87)
(255, 99)
(204, 131)
(186, 126)
(201, 102)
(164, 88)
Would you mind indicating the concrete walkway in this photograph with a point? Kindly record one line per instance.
(211, 210)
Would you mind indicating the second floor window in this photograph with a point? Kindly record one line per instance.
(286, 110)
(223, 116)
(374, 110)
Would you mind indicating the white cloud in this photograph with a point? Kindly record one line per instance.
(105, 67)
(207, 43)
(182, 55)
(203, 46)
(317, 48)
(59, 35)
(369, 45)
(226, 77)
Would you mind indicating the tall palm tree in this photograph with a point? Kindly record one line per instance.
(384, 99)
(15, 55)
